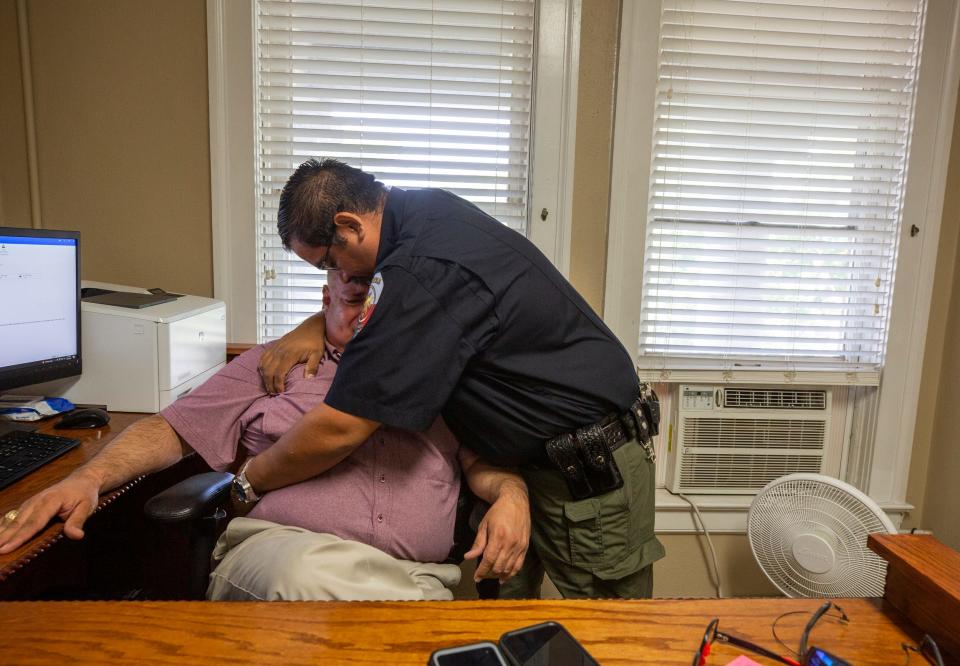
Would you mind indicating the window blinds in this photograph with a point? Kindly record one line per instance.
(422, 93)
(781, 135)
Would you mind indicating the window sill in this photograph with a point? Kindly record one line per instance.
(725, 514)
(744, 376)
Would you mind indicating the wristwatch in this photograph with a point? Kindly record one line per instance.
(242, 489)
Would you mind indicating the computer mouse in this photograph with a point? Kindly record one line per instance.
(84, 418)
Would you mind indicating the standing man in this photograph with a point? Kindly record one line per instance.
(466, 318)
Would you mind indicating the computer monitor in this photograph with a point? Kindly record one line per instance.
(39, 306)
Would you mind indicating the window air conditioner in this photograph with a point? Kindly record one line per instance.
(732, 440)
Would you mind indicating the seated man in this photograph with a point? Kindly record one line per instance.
(373, 527)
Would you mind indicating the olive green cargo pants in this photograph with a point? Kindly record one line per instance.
(599, 547)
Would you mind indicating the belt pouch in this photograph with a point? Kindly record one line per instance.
(562, 451)
(601, 468)
(628, 420)
(644, 430)
(650, 404)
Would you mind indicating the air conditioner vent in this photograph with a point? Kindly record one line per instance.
(744, 472)
(759, 398)
(754, 433)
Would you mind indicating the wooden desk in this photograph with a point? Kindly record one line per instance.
(664, 632)
(11, 497)
(38, 565)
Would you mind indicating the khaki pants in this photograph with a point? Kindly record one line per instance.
(260, 560)
(599, 547)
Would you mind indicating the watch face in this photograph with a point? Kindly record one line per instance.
(238, 489)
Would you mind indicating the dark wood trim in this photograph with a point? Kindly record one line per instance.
(923, 582)
(234, 349)
(92, 442)
(112, 558)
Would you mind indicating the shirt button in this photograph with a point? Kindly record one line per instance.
(383, 478)
(380, 518)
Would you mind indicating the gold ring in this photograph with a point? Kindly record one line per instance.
(11, 515)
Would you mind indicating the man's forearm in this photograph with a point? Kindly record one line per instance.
(320, 440)
(504, 532)
(146, 446)
(489, 483)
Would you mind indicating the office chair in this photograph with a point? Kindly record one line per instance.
(196, 511)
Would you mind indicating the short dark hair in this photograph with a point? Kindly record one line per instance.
(316, 192)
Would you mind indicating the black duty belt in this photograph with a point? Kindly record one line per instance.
(585, 457)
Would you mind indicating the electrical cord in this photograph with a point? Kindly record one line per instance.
(773, 627)
(706, 533)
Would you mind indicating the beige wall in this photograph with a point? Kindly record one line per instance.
(941, 503)
(14, 175)
(933, 481)
(596, 88)
(120, 91)
(684, 571)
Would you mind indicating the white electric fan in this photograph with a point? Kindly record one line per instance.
(809, 533)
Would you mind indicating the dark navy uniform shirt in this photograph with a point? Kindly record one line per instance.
(467, 318)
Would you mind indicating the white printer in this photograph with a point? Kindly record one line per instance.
(141, 360)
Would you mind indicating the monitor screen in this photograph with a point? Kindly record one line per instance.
(39, 305)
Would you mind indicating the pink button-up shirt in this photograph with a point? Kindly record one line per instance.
(397, 491)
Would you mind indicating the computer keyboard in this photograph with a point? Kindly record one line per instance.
(21, 452)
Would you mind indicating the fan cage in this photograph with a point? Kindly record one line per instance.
(836, 512)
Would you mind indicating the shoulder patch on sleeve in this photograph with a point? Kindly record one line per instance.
(373, 295)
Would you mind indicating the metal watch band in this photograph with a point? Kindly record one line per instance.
(241, 486)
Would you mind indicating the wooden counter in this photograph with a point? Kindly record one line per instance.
(664, 632)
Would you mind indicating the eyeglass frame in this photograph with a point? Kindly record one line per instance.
(714, 634)
(322, 264)
(817, 614)
(934, 657)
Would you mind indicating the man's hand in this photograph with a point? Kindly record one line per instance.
(146, 446)
(72, 500)
(304, 344)
(504, 534)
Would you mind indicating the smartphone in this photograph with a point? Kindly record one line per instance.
(547, 644)
(819, 657)
(475, 654)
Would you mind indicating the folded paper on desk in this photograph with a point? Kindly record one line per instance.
(31, 407)
(743, 661)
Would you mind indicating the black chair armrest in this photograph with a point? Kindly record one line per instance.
(477, 512)
(470, 510)
(193, 498)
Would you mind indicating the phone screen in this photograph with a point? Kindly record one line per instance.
(818, 657)
(473, 656)
(545, 645)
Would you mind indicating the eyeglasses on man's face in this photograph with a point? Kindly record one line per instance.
(325, 264)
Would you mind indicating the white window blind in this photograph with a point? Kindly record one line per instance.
(422, 93)
(781, 135)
